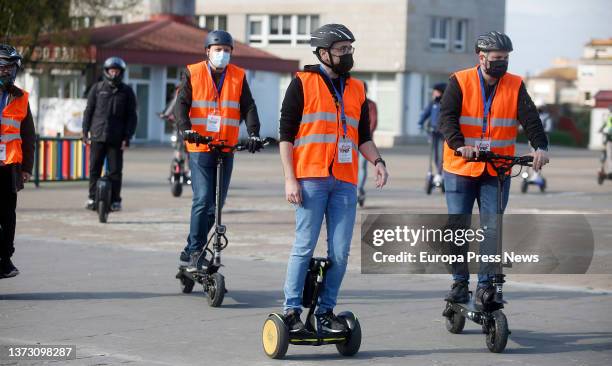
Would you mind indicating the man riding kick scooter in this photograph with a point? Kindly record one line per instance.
(481, 109)
(324, 126)
(432, 115)
(213, 98)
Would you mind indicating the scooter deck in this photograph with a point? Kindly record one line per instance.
(313, 339)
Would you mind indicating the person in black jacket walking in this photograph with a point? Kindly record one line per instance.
(109, 122)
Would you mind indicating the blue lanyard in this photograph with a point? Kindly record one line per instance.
(339, 94)
(3, 102)
(487, 102)
(218, 86)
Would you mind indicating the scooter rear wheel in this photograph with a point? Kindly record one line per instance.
(186, 284)
(455, 323)
(498, 332)
(275, 337)
(351, 346)
(216, 289)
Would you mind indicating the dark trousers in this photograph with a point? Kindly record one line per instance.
(8, 204)
(114, 154)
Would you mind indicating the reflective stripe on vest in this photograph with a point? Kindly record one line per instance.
(315, 150)
(10, 128)
(502, 124)
(204, 103)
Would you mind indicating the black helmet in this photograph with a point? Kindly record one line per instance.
(9, 56)
(493, 41)
(219, 37)
(114, 63)
(439, 87)
(328, 34)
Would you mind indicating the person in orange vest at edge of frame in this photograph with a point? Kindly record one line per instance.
(481, 109)
(17, 142)
(363, 162)
(324, 125)
(213, 98)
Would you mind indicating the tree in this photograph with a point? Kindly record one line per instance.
(28, 22)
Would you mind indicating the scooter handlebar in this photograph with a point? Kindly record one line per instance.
(487, 156)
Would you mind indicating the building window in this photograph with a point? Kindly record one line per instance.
(82, 22)
(212, 22)
(256, 29)
(587, 95)
(460, 35)
(281, 29)
(439, 35)
(115, 19)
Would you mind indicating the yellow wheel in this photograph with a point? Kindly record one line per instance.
(275, 337)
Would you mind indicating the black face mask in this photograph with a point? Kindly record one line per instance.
(497, 68)
(437, 99)
(344, 65)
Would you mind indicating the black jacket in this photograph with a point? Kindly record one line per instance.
(248, 109)
(293, 107)
(450, 111)
(110, 115)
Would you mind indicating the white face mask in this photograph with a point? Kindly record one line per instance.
(219, 59)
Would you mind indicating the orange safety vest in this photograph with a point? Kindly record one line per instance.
(10, 128)
(502, 124)
(205, 101)
(315, 148)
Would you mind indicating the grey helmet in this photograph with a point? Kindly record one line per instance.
(493, 41)
(219, 37)
(328, 34)
(9, 56)
(114, 63)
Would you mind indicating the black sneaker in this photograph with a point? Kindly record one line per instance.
(459, 293)
(328, 322)
(116, 206)
(184, 259)
(293, 321)
(8, 269)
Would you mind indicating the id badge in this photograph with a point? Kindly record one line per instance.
(483, 145)
(2, 152)
(213, 123)
(345, 151)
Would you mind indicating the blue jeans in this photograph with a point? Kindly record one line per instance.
(363, 174)
(337, 202)
(437, 142)
(203, 167)
(461, 192)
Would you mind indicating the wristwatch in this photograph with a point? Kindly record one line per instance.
(380, 160)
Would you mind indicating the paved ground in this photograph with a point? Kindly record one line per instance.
(110, 289)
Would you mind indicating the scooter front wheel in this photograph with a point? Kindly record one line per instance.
(177, 187)
(216, 289)
(103, 211)
(524, 186)
(275, 337)
(497, 337)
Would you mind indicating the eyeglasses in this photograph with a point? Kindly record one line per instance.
(344, 50)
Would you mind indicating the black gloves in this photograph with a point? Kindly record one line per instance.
(254, 144)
